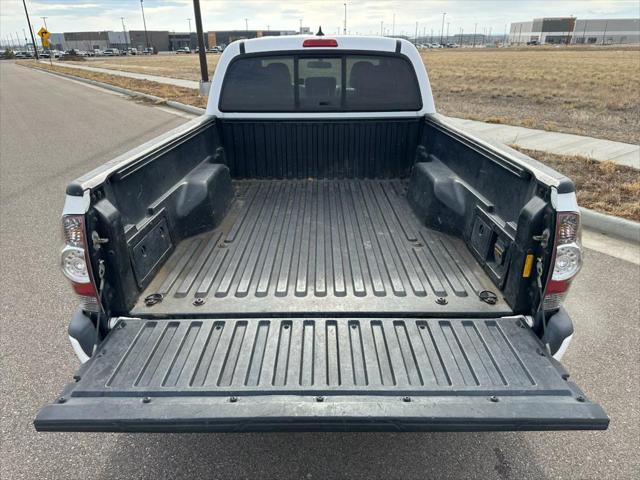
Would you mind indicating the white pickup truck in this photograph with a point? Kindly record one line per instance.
(321, 251)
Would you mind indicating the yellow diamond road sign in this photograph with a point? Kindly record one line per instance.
(44, 34)
(46, 43)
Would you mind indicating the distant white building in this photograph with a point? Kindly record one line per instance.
(570, 30)
(607, 31)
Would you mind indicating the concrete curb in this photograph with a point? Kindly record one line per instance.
(131, 93)
(185, 108)
(610, 225)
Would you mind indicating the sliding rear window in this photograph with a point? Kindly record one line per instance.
(320, 83)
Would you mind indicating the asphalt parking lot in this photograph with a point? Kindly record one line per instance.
(53, 130)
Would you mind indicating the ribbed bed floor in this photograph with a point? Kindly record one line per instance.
(320, 246)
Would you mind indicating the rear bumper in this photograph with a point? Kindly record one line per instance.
(82, 335)
(558, 333)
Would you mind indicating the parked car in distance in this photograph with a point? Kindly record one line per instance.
(75, 53)
(132, 51)
(148, 51)
(436, 45)
(111, 52)
(452, 45)
(183, 50)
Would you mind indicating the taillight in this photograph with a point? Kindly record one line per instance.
(320, 42)
(74, 263)
(567, 259)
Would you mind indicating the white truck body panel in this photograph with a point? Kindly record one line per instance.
(294, 42)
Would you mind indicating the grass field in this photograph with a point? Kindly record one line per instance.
(602, 186)
(587, 91)
(593, 92)
(186, 67)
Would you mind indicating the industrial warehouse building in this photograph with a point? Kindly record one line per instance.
(228, 36)
(89, 40)
(570, 30)
(160, 40)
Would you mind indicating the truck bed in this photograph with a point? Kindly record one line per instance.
(320, 247)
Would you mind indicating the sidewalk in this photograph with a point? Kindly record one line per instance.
(552, 142)
(138, 76)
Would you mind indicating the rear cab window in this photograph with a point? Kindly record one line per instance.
(320, 83)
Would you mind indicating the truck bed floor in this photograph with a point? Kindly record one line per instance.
(324, 247)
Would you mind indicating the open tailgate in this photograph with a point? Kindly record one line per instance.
(185, 375)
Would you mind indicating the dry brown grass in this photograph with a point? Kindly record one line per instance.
(602, 186)
(588, 91)
(167, 92)
(186, 67)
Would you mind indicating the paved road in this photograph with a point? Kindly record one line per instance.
(79, 128)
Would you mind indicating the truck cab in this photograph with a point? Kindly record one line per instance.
(321, 251)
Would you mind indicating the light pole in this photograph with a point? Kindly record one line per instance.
(35, 50)
(393, 27)
(381, 28)
(144, 22)
(442, 27)
(124, 32)
(415, 38)
(201, 52)
(189, 20)
(447, 32)
(246, 25)
(475, 28)
(490, 28)
(300, 31)
(345, 19)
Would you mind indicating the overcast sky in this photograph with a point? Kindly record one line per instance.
(363, 16)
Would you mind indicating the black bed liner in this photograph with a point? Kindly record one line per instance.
(321, 374)
(321, 246)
